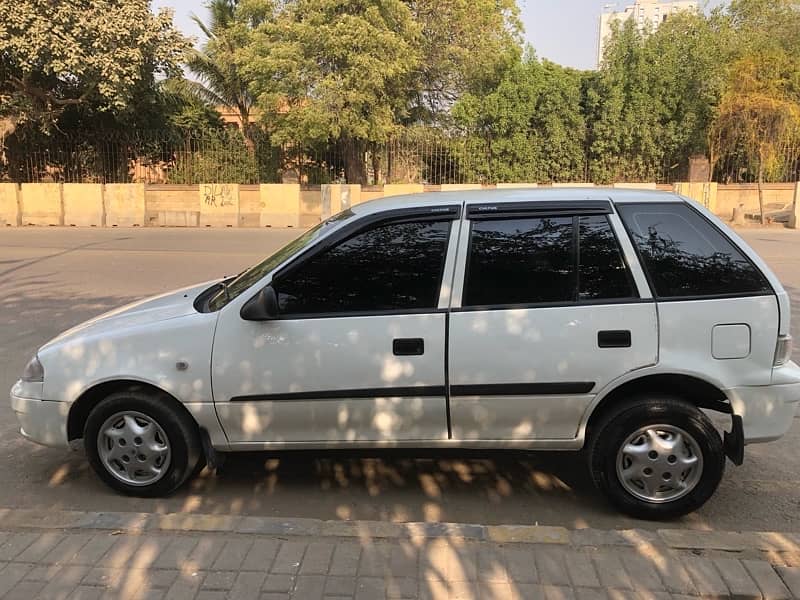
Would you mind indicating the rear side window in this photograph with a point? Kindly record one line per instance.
(394, 266)
(521, 261)
(603, 273)
(686, 256)
(544, 260)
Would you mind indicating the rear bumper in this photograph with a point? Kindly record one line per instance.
(42, 421)
(767, 411)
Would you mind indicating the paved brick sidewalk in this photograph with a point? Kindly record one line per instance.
(120, 555)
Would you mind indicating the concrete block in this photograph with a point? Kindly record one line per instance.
(339, 197)
(516, 186)
(125, 206)
(573, 185)
(370, 192)
(249, 206)
(171, 218)
(540, 534)
(9, 205)
(791, 577)
(219, 205)
(706, 578)
(636, 186)
(83, 204)
(280, 205)
(401, 189)
(460, 187)
(736, 577)
(768, 582)
(42, 204)
(794, 215)
(189, 522)
(702, 193)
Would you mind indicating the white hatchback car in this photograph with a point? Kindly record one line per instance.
(610, 321)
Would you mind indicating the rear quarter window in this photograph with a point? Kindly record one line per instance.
(686, 256)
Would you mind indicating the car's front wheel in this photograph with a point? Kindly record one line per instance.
(139, 445)
(656, 458)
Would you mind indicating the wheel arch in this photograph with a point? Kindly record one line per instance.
(691, 388)
(91, 397)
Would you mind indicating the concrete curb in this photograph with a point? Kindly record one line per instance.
(678, 539)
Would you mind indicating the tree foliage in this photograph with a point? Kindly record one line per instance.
(760, 113)
(352, 74)
(358, 88)
(653, 100)
(531, 124)
(466, 46)
(220, 82)
(97, 53)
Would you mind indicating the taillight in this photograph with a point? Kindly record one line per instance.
(783, 350)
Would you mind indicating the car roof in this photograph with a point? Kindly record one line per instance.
(545, 194)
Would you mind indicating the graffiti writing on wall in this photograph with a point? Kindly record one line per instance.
(218, 195)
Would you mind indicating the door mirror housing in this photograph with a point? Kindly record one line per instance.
(261, 307)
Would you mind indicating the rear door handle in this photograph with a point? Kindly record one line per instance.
(614, 339)
(408, 347)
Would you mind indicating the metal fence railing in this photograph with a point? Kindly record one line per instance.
(429, 157)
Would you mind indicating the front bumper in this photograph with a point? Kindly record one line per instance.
(42, 421)
(767, 411)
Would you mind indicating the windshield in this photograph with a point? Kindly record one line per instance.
(250, 276)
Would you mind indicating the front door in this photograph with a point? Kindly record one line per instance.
(358, 351)
(548, 314)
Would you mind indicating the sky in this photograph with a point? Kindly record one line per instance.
(564, 31)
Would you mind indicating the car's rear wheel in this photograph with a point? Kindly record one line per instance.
(139, 445)
(656, 458)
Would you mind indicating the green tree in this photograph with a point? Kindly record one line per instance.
(466, 46)
(85, 53)
(351, 75)
(531, 125)
(654, 98)
(760, 113)
(184, 110)
(324, 71)
(220, 80)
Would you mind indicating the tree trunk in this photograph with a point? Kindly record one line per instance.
(7, 126)
(761, 189)
(376, 164)
(247, 132)
(355, 167)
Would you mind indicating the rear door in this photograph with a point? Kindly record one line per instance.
(546, 311)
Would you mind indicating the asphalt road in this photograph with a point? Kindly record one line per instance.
(51, 279)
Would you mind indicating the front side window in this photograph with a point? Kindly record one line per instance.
(392, 266)
(249, 277)
(686, 256)
(545, 260)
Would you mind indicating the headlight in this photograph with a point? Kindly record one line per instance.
(34, 371)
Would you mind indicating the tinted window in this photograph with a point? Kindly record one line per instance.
(521, 261)
(248, 277)
(602, 271)
(685, 255)
(394, 266)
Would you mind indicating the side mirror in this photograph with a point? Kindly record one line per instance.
(261, 307)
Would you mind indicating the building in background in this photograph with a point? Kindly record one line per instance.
(649, 14)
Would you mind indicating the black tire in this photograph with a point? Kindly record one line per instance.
(180, 429)
(608, 435)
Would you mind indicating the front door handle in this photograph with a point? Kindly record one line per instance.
(408, 347)
(614, 339)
